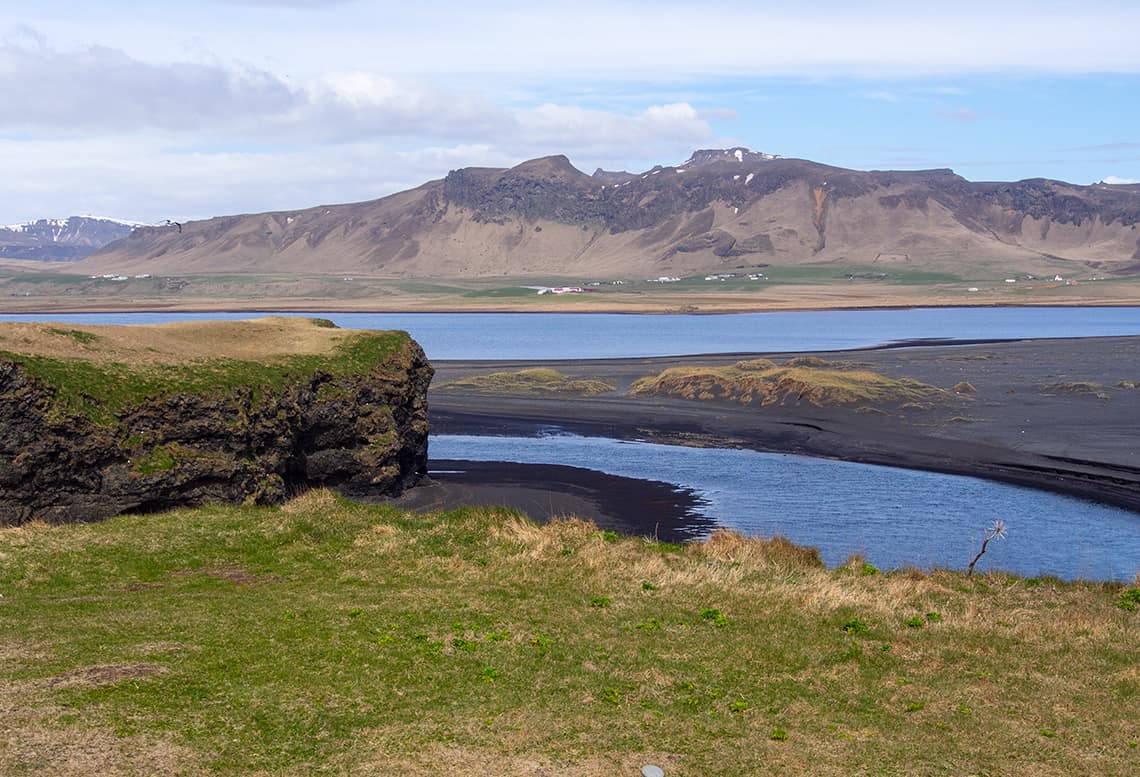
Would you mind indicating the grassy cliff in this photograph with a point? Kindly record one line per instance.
(325, 637)
(98, 370)
(101, 420)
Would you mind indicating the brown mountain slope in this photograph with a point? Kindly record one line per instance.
(719, 209)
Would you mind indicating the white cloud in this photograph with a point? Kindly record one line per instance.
(881, 95)
(661, 39)
(145, 179)
(659, 131)
(105, 89)
(153, 176)
(519, 42)
(1117, 180)
(116, 135)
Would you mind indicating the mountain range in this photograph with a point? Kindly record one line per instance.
(61, 240)
(721, 208)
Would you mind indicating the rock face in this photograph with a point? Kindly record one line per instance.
(721, 208)
(346, 420)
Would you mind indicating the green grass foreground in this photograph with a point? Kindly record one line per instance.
(325, 637)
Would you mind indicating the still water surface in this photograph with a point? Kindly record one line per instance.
(605, 335)
(894, 517)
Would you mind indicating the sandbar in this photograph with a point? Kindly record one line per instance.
(1056, 414)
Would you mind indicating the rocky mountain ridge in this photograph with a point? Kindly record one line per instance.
(61, 240)
(720, 208)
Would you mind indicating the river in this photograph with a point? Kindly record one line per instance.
(893, 517)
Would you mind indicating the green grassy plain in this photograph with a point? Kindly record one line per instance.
(786, 287)
(325, 637)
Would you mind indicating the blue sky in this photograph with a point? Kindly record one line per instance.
(190, 110)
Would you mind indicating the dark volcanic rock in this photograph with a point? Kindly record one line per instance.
(361, 433)
(613, 176)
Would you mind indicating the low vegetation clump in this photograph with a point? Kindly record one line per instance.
(535, 381)
(801, 380)
(326, 637)
(1077, 387)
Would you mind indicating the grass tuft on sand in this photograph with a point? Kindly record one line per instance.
(801, 380)
(534, 381)
(326, 637)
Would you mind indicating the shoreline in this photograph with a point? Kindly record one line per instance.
(1014, 429)
(1092, 481)
(653, 308)
(630, 506)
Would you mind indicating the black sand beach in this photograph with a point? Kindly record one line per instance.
(1061, 415)
(544, 491)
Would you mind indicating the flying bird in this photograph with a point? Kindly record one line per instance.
(170, 223)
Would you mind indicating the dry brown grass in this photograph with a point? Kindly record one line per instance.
(811, 382)
(730, 546)
(109, 674)
(532, 381)
(42, 737)
(173, 343)
(484, 762)
(313, 502)
(1077, 387)
(538, 541)
(755, 365)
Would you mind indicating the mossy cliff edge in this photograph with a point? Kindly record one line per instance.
(101, 420)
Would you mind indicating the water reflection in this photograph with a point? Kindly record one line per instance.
(894, 517)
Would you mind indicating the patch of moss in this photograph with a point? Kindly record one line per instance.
(83, 338)
(330, 391)
(160, 458)
(384, 441)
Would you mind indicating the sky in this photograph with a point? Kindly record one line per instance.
(185, 110)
